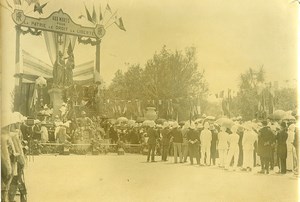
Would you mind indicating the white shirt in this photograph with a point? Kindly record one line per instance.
(248, 140)
(233, 141)
(205, 137)
(223, 140)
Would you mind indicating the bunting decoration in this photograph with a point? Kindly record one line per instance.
(100, 16)
(88, 15)
(94, 16)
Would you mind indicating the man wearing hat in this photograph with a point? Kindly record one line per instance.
(248, 141)
(12, 162)
(222, 146)
(165, 132)
(36, 129)
(233, 151)
(152, 136)
(194, 140)
(282, 147)
(265, 141)
(205, 139)
(177, 139)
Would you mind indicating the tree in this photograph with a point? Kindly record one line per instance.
(286, 99)
(170, 75)
(250, 90)
(116, 89)
(167, 75)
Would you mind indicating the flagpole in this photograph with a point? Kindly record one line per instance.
(111, 17)
(109, 25)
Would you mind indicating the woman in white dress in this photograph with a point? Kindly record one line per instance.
(290, 147)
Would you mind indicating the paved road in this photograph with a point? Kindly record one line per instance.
(130, 178)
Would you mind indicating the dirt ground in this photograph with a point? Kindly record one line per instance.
(129, 178)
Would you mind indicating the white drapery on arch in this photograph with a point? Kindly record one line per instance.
(56, 42)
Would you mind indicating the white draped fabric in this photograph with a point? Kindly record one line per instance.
(56, 42)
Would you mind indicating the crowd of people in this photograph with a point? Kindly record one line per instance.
(268, 143)
(244, 144)
(228, 144)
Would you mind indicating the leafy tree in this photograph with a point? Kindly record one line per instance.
(250, 87)
(170, 75)
(286, 99)
(167, 75)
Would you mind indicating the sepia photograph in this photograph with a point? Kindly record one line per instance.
(149, 101)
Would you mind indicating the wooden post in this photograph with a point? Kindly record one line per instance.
(98, 56)
(18, 84)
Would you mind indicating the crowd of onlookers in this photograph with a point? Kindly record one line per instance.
(244, 144)
(268, 143)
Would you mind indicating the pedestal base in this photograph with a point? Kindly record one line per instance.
(56, 100)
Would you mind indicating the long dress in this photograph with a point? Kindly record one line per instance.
(290, 148)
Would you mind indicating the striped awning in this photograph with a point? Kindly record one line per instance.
(32, 68)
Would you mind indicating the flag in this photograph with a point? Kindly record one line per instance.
(34, 98)
(17, 2)
(88, 15)
(101, 16)
(108, 8)
(94, 16)
(120, 24)
(39, 8)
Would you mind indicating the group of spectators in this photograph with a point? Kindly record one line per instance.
(244, 144)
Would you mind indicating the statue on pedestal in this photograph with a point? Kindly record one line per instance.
(59, 71)
(70, 65)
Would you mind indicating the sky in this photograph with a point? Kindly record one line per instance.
(230, 36)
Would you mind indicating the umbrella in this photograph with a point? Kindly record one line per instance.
(226, 122)
(146, 123)
(182, 123)
(140, 119)
(198, 120)
(288, 117)
(122, 119)
(210, 118)
(279, 114)
(113, 121)
(18, 117)
(160, 121)
(131, 122)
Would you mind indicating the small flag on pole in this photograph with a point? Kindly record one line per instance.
(101, 16)
(88, 15)
(39, 8)
(120, 24)
(108, 8)
(94, 16)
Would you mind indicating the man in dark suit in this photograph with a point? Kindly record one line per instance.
(165, 132)
(282, 147)
(265, 141)
(152, 135)
(193, 138)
